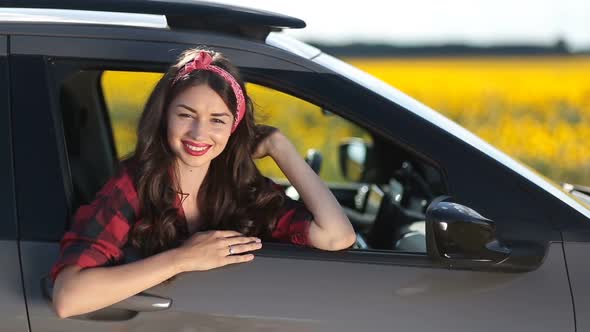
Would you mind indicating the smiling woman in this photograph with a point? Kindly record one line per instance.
(189, 197)
(207, 125)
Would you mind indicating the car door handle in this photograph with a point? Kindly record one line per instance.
(144, 303)
(141, 302)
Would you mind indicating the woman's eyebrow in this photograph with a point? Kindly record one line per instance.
(212, 114)
(188, 108)
(220, 114)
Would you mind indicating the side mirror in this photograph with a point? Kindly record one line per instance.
(353, 155)
(459, 237)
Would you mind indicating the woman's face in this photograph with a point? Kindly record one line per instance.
(199, 126)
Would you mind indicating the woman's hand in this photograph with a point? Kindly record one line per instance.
(211, 249)
(264, 141)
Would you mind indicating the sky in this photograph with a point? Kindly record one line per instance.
(477, 22)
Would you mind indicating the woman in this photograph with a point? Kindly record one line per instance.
(190, 197)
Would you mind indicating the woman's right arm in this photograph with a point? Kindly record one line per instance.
(77, 291)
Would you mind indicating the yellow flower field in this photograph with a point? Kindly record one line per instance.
(536, 109)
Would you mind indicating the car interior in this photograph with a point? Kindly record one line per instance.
(389, 190)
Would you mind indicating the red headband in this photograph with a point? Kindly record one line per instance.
(203, 62)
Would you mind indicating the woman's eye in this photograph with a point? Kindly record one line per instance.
(218, 121)
(185, 115)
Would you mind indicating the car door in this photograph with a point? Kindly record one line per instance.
(13, 312)
(286, 288)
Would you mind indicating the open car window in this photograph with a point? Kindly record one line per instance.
(383, 188)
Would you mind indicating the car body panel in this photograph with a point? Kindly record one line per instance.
(579, 273)
(282, 294)
(36, 15)
(13, 309)
(292, 45)
(119, 49)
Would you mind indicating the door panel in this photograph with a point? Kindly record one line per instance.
(286, 294)
(13, 311)
(579, 273)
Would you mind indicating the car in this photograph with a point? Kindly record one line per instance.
(452, 234)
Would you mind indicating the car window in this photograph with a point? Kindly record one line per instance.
(375, 200)
(125, 93)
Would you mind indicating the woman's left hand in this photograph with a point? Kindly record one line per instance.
(264, 141)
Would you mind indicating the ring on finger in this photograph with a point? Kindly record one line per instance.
(231, 252)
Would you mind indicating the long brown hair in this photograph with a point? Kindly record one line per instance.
(233, 196)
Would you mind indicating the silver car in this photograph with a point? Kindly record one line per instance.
(452, 235)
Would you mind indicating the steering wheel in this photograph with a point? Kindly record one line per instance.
(381, 235)
(392, 216)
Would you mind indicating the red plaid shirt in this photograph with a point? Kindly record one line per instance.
(99, 230)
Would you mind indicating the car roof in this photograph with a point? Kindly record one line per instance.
(179, 14)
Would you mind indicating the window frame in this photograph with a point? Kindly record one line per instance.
(8, 226)
(39, 159)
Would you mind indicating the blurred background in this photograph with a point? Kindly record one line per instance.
(516, 73)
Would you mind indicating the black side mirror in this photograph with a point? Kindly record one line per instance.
(458, 232)
(353, 155)
(459, 237)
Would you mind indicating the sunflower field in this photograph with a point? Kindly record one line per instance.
(535, 109)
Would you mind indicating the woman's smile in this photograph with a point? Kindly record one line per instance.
(195, 149)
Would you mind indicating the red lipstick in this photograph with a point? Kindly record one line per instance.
(195, 149)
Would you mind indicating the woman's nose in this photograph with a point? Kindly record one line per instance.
(198, 128)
